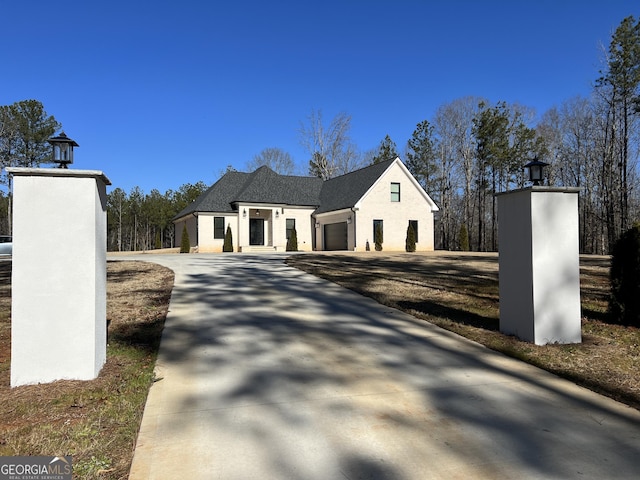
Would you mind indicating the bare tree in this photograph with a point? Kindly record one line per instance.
(448, 182)
(453, 127)
(329, 146)
(276, 159)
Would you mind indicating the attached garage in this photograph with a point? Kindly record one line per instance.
(335, 236)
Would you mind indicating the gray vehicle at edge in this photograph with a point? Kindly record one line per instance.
(6, 246)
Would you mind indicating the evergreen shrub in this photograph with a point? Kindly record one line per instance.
(624, 302)
(378, 238)
(228, 240)
(185, 243)
(410, 244)
(292, 242)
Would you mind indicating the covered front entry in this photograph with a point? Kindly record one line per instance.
(335, 236)
(256, 231)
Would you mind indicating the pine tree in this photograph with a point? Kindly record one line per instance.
(620, 84)
(411, 239)
(421, 156)
(185, 243)
(387, 150)
(228, 240)
(292, 242)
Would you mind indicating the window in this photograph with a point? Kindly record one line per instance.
(414, 224)
(291, 225)
(218, 227)
(376, 224)
(395, 192)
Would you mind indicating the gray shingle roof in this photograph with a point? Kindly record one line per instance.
(261, 186)
(218, 197)
(266, 186)
(344, 191)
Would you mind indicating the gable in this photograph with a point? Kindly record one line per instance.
(397, 172)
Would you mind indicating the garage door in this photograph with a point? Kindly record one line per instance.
(335, 236)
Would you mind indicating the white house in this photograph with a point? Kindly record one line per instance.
(262, 208)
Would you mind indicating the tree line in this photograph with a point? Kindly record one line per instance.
(473, 149)
(139, 221)
(135, 221)
(470, 150)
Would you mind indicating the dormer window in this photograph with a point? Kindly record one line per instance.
(395, 192)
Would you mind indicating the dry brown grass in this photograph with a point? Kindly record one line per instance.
(96, 422)
(459, 292)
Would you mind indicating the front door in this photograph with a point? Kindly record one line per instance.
(256, 231)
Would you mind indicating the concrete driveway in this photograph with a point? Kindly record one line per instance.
(266, 372)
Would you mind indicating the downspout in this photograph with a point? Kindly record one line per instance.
(314, 237)
(355, 240)
(195, 215)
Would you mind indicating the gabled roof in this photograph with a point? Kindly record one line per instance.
(344, 191)
(261, 186)
(268, 187)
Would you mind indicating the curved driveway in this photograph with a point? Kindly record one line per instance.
(266, 372)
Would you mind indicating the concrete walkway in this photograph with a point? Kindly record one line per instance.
(270, 373)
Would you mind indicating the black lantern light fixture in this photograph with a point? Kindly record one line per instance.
(536, 168)
(62, 149)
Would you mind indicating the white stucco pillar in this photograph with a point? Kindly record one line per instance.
(59, 278)
(539, 264)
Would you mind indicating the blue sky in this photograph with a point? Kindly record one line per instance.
(162, 93)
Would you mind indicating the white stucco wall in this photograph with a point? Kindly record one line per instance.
(539, 265)
(275, 225)
(377, 205)
(59, 275)
(304, 227)
(206, 242)
(191, 222)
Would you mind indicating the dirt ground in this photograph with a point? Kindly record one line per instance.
(96, 421)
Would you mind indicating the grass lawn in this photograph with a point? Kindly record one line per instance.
(459, 292)
(97, 421)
